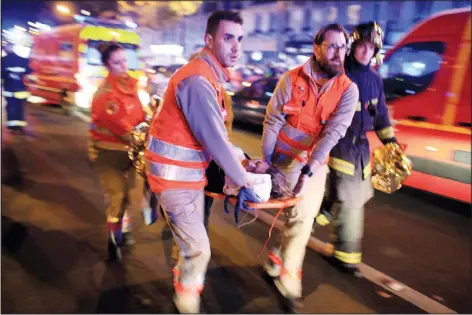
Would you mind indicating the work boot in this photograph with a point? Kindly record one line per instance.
(289, 284)
(290, 287)
(187, 302)
(273, 264)
(351, 269)
(115, 241)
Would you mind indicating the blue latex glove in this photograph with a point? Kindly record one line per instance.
(245, 194)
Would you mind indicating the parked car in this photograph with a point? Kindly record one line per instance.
(249, 104)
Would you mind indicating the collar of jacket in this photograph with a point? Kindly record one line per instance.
(354, 66)
(123, 83)
(221, 73)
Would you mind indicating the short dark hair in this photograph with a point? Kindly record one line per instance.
(106, 49)
(223, 15)
(320, 36)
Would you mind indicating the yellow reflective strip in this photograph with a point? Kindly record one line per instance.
(358, 108)
(349, 258)
(426, 125)
(374, 101)
(367, 170)
(457, 82)
(21, 95)
(386, 133)
(341, 165)
(322, 220)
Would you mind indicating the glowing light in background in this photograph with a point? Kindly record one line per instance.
(85, 12)
(63, 9)
(131, 24)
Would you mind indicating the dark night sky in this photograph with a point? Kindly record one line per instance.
(19, 12)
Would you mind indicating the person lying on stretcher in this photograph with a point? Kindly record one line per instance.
(267, 181)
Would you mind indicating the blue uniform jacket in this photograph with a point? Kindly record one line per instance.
(371, 114)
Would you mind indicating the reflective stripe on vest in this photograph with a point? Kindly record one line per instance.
(176, 152)
(285, 149)
(296, 138)
(174, 172)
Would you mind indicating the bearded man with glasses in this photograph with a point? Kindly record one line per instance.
(310, 110)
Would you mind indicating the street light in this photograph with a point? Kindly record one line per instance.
(85, 12)
(20, 28)
(63, 9)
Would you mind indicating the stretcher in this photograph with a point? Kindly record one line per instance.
(280, 204)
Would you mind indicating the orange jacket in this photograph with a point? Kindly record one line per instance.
(116, 110)
(175, 159)
(306, 115)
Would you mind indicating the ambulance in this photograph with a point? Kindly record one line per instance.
(426, 78)
(66, 65)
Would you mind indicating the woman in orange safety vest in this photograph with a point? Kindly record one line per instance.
(116, 110)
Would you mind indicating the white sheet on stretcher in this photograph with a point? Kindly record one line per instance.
(262, 183)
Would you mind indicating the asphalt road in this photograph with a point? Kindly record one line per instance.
(54, 243)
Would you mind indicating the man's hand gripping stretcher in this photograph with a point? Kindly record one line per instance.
(268, 188)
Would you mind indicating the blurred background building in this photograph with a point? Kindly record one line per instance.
(272, 27)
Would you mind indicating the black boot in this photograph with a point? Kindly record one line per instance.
(115, 242)
(351, 269)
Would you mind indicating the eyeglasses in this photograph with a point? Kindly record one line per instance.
(332, 48)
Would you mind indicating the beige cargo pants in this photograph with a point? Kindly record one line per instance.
(299, 219)
(184, 209)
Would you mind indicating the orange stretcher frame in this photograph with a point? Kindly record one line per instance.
(271, 204)
(279, 204)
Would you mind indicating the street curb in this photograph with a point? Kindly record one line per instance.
(406, 293)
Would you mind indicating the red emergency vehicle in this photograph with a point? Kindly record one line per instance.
(427, 85)
(66, 65)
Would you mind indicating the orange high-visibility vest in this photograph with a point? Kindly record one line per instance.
(116, 110)
(175, 159)
(306, 116)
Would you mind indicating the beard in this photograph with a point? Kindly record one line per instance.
(327, 67)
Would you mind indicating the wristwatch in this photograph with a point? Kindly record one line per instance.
(306, 171)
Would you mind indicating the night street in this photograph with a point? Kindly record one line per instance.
(54, 244)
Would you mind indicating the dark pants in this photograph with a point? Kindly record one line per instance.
(15, 113)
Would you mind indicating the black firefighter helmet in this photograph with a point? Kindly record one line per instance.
(371, 32)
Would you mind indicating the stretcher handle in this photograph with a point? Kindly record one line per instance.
(271, 204)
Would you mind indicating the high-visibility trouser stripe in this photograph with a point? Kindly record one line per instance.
(176, 152)
(174, 172)
(341, 166)
(303, 140)
(367, 170)
(14, 123)
(348, 258)
(19, 95)
(386, 133)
